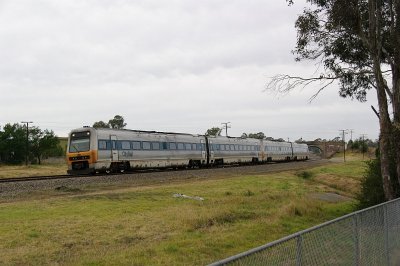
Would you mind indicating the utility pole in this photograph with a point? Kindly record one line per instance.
(351, 138)
(363, 140)
(344, 131)
(27, 140)
(226, 126)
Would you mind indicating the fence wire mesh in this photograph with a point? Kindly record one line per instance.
(366, 237)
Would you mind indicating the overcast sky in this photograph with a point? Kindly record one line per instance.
(177, 65)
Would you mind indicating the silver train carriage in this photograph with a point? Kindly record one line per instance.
(93, 150)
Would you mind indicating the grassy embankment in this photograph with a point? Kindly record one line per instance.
(148, 226)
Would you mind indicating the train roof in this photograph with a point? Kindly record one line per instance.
(136, 131)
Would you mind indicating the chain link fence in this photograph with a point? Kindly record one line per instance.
(367, 237)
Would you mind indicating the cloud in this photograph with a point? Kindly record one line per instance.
(179, 65)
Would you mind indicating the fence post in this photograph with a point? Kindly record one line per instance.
(386, 232)
(299, 250)
(356, 232)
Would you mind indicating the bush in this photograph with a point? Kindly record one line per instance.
(371, 186)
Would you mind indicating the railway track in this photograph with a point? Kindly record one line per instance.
(34, 178)
(53, 177)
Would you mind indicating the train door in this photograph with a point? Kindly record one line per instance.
(114, 149)
(211, 149)
(204, 151)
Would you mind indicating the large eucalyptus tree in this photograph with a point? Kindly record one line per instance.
(358, 44)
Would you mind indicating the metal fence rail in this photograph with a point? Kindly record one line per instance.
(367, 237)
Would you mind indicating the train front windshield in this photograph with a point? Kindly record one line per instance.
(79, 142)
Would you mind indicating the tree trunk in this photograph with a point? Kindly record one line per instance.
(395, 32)
(375, 42)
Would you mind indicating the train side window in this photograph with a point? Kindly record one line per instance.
(136, 145)
(155, 145)
(164, 145)
(181, 146)
(125, 145)
(188, 146)
(146, 145)
(194, 146)
(103, 145)
(199, 147)
(236, 147)
(222, 147)
(172, 146)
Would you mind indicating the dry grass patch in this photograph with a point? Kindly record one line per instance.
(343, 185)
(32, 170)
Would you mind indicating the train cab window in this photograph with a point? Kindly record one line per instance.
(136, 145)
(188, 146)
(164, 145)
(155, 145)
(125, 145)
(181, 146)
(146, 145)
(79, 141)
(172, 146)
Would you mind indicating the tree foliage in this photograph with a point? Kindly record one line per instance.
(101, 124)
(12, 144)
(357, 44)
(214, 131)
(43, 144)
(259, 135)
(40, 144)
(117, 122)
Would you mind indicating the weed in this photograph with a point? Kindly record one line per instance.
(304, 174)
(248, 193)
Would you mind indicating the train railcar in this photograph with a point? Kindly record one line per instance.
(300, 151)
(284, 151)
(93, 150)
(277, 151)
(228, 150)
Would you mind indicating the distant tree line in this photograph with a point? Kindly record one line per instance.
(41, 144)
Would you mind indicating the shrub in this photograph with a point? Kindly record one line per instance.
(304, 174)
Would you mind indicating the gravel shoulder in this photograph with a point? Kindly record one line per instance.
(21, 190)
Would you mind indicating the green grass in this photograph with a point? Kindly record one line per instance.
(148, 226)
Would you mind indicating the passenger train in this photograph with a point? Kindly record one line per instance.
(92, 150)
